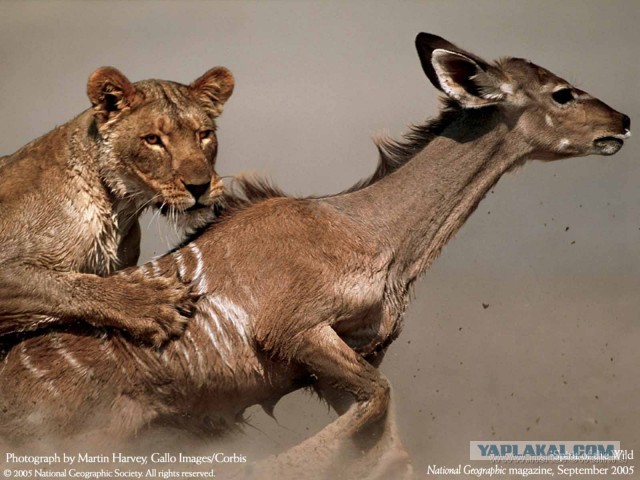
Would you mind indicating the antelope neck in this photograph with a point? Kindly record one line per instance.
(417, 208)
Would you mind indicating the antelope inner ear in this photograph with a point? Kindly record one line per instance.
(110, 92)
(426, 43)
(213, 89)
(465, 80)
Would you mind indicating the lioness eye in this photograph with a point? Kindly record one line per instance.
(205, 134)
(563, 96)
(152, 139)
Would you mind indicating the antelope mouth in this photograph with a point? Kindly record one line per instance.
(609, 145)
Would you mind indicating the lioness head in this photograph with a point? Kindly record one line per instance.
(157, 140)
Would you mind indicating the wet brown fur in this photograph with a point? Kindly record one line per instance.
(70, 202)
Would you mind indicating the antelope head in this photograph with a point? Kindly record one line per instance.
(554, 118)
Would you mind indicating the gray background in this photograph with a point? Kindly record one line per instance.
(554, 356)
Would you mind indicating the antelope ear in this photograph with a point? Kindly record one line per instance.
(110, 93)
(213, 89)
(464, 77)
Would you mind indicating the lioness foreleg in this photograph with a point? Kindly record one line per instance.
(148, 309)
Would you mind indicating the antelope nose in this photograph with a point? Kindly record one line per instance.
(196, 190)
(626, 123)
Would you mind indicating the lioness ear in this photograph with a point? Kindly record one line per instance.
(213, 89)
(464, 77)
(110, 93)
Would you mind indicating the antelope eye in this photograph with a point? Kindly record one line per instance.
(563, 96)
(204, 134)
(152, 139)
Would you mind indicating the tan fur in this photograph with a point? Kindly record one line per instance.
(70, 202)
(299, 291)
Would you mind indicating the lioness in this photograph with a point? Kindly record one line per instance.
(70, 202)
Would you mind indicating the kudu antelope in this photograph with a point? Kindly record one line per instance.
(309, 288)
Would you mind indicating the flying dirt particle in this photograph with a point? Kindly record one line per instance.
(460, 329)
(408, 342)
(566, 229)
(597, 397)
(528, 428)
(485, 305)
(489, 212)
(537, 420)
(573, 243)
(611, 359)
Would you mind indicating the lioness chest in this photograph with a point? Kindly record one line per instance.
(99, 227)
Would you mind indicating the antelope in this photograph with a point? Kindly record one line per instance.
(308, 290)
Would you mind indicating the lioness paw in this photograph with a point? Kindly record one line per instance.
(152, 310)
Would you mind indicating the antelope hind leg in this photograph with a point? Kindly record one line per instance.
(329, 455)
(331, 452)
(380, 452)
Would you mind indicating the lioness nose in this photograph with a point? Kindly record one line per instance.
(626, 122)
(196, 190)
